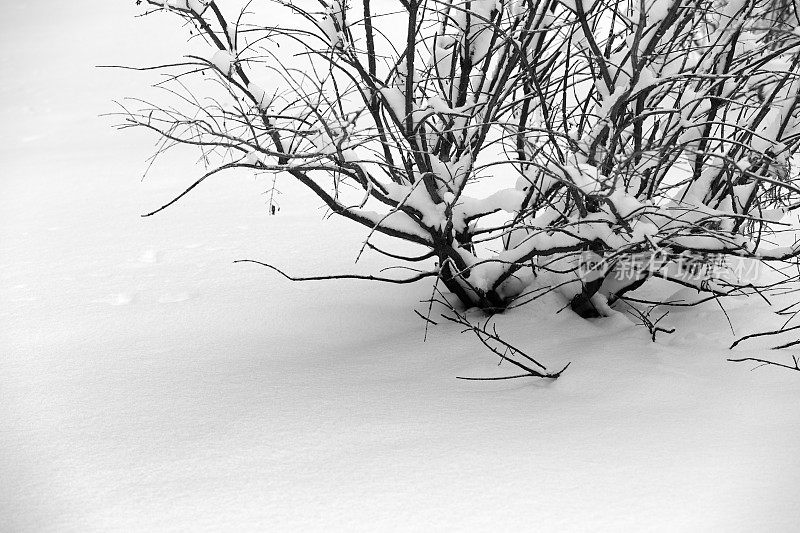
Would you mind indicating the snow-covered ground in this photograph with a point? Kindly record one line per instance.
(147, 383)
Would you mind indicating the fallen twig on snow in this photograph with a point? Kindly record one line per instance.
(507, 353)
(766, 362)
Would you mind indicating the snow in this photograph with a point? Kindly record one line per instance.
(417, 197)
(148, 384)
(439, 105)
(395, 100)
(657, 11)
(331, 23)
(252, 158)
(646, 80)
(223, 60)
(193, 5)
(261, 97)
(196, 5)
(773, 215)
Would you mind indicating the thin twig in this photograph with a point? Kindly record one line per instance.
(772, 363)
(366, 277)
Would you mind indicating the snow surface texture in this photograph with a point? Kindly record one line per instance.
(146, 383)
